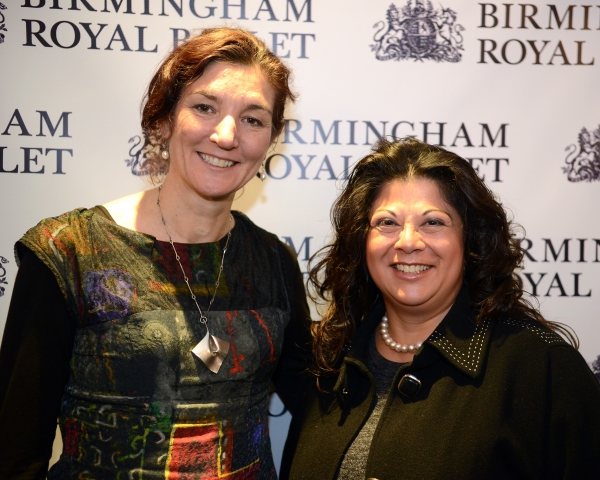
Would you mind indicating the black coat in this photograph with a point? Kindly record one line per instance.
(500, 400)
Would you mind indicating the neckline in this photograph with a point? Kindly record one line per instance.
(101, 212)
(378, 357)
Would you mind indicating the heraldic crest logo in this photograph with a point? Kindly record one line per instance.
(596, 367)
(2, 275)
(584, 164)
(139, 154)
(418, 32)
(135, 162)
(2, 24)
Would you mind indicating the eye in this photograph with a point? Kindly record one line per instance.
(385, 222)
(386, 225)
(255, 122)
(203, 107)
(433, 225)
(434, 222)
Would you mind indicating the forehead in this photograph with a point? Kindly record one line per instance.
(415, 192)
(244, 82)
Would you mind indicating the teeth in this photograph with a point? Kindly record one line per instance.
(217, 162)
(411, 268)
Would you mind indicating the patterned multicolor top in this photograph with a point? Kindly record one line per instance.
(138, 404)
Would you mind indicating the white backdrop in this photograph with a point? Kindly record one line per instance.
(511, 86)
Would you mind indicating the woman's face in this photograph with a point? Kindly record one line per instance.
(221, 129)
(415, 248)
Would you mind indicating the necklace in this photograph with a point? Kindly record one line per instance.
(210, 350)
(389, 341)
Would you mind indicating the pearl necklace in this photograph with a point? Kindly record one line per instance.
(389, 341)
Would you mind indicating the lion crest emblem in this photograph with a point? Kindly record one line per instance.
(420, 33)
(583, 163)
(2, 275)
(2, 24)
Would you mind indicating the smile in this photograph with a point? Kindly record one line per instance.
(411, 268)
(216, 162)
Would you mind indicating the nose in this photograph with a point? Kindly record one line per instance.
(225, 134)
(409, 239)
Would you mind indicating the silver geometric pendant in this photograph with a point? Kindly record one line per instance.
(212, 351)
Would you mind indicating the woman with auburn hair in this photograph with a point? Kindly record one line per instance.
(430, 362)
(153, 326)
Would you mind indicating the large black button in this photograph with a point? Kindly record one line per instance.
(409, 385)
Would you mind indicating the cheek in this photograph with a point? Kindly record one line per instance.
(259, 148)
(455, 254)
(375, 250)
(190, 128)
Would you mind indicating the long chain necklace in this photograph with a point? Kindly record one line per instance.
(389, 341)
(210, 350)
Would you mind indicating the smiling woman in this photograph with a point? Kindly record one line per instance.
(220, 132)
(160, 320)
(429, 361)
(414, 254)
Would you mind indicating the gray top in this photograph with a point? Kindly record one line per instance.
(354, 463)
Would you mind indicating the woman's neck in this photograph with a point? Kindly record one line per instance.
(409, 326)
(189, 217)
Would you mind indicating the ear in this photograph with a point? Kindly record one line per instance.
(272, 145)
(165, 128)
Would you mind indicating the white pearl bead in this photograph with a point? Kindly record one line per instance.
(389, 341)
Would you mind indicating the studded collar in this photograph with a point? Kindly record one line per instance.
(457, 339)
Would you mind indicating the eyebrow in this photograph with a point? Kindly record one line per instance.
(214, 98)
(436, 210)
(392, 213)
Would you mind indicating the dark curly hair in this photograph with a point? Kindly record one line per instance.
(492, 251)
(188, 62)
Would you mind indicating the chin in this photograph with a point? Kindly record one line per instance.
(415, 300)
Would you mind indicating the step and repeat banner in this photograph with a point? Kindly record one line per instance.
(512, 87)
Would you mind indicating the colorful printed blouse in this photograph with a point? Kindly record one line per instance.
(138, 404)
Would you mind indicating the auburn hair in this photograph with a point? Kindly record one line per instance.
(187, 63)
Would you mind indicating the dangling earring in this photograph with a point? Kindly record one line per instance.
(261, 172)
(165, 152)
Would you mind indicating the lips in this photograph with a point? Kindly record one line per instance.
(411, 268)
(216, 162)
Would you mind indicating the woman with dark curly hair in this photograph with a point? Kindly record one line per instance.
(430, 361)
(153, 326)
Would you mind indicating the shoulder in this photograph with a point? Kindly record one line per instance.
(65, 229)
(54, 241)
(526, 340)
(526, 355)
(260, 237)
(258, 234)
(527, 330)
(128, 211)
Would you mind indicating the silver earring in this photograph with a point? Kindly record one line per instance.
(165, 152)
(261, 173)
